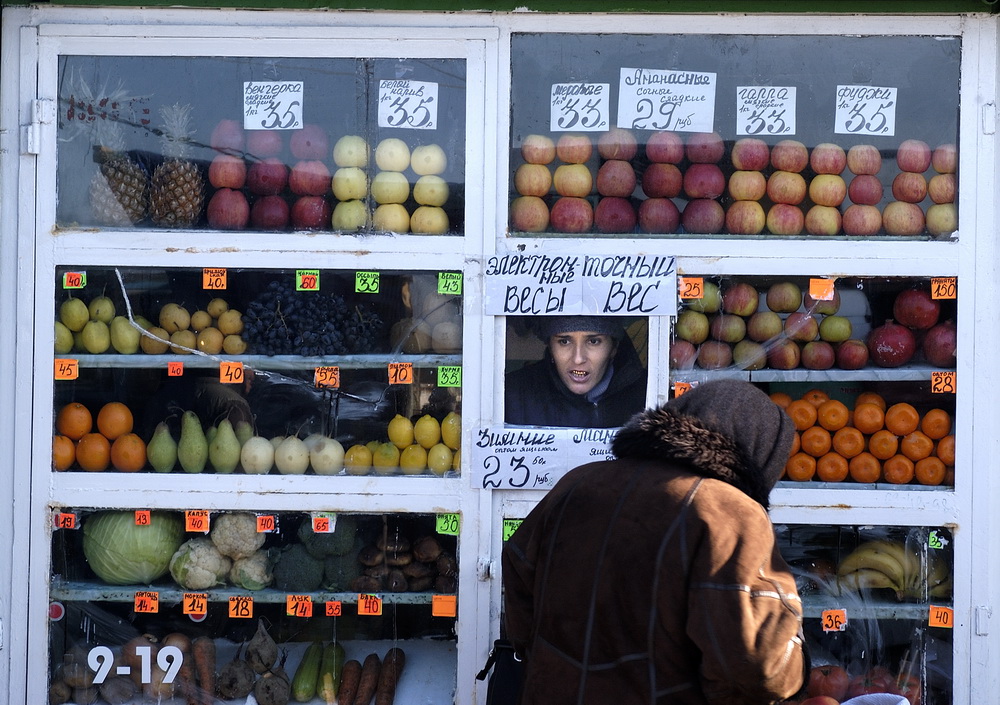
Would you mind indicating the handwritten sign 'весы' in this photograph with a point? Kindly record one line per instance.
(609, 285)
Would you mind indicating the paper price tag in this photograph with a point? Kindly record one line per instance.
(366, 282)
(324, 523)
(584, 107)
(765, 110)
(266, 523)
(240, 607)
(213, 279)
(196, 521)
(666, 99)
(943, 383)
(194, 603)
(67, 369)
(65, 520)
(821, 289)
(298, 606)
(175, 369)
(865, 110)
(400, 373)
(509, 527)
(944, 287)
(411, 105)
(142, 517)
(147, 601)
(307, 280)
(334, 608)
(940, 616)
(834, 620)
(369, 605)
(326, 377)
(449, 376)
(273, 105)
(450, 283)
(444, 606)
(681, 388)
(230, 372)
(691, 287)
(74, 280)
(936, 540)
(447, 524)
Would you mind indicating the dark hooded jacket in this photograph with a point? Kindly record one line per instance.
(654, 578)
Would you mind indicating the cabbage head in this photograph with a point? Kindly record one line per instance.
(123, 553)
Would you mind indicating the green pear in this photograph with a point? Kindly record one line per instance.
(244, 431)
(96, 337)
(102, 309)
(74, 314)
(162, 449)
(142, 322)
(210, 434)
(192, 451)
(124, 336)
(224, 450)
(63, 339)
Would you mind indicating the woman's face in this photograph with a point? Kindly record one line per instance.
(582, 358)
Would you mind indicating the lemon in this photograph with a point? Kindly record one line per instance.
(413, 459)
(400, 431)
(439, 459)
(456, 462)
(451, 430)
(357, 460)
(385, 459)
(427, 431)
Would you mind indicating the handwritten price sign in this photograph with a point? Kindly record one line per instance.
(307, 280)
(327, 377)
(944, 287)
(940, 616)
(444, 606)
(691, 287)
(450, 283)
(509, 527)
(400, 373)
(447, 524)
(655, 99)
(298, 606)
(142, 517)
(272, 105)
(449, 376)
(147, 602)
(196, 521)
(407, 104)
(334, 608)
(213, 278)
(834, 620)
(230, 372)
(581, 107)
(366, 282)
(369, 605)
(74, 280)
(65, 520)
(266, 523)
(175, 369)
(67, 369)
(865, 110)
(194, 603)
(240, 607)
(765, 110)
(943, 383)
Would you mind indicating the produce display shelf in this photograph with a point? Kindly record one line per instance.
(857, 607)
(906, 373)
(262, 362)
(851, 485)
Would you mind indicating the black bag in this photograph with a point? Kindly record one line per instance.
(505, 682)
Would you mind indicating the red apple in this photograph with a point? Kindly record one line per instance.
(269, 213)
(529, 214)
(573, 180)
(740, 298)
(941, 188)
(827, 190)
(750, 154)
(818, 355)
(268, 177)
(745, 218)
(783, 297)
(310, 143)
(538, 149)
(705, 148)
(864, 159)
(913, 155)
(228, 210)
(748, 355)
(571, 215)
(823, 220)
(616, 177)
(311, 213)
(703, 180)
(227, 171)
(940, 344)
(662, 180)
(227, 136)
(828, 158)
(784, 355)
(942, 219)
(861, 220)
(747, 185)
(727, 327)
(703, 215)
(309, 178)
(891, 345)
(823, 307)
(789, 155)
(908, 685)
(658, 215)
(617, 143)
(865, 190)
(945, 159)
(667, 147)
(532, 179)
(852, 354)
(574, 148)
(615, 215)
(692, 326)
(264, 143)
(914, 308)
(764, 325)
(682, 355)
(801, 327)
(877, 680)
(820, 700)
(784, 219)
(786, 187)
(714, 355)
(909, 186)
(901, 218)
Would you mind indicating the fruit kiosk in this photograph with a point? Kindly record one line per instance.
(274, 270)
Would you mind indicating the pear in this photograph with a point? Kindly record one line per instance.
(244, 431)
(101, 308)
(63, 338)
(200, 320)
(174, 317)
(210, 434)
(216, 307)
(78, 341)
(162, 449)
(142, 322)
(157, 345)
(192, 451)
(224, 450)
(276, 441)
(74, 314)
(124, 336)
(96, 337)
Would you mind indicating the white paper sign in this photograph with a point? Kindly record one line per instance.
(272, 105)
(765, 110)
(865, 110)
(534, 458)
(408, 104)
(654, 99)
(580, 107)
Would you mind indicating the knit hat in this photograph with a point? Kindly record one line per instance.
(548, 326)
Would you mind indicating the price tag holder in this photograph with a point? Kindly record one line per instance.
(834, 620)
(444, 606)
(273, 105)
(449, 376)
(821, 289)
(450, 283)
(142, 517)
(411, 105)
(214, 279)
(366, 282)
(307, 280)
(196, 521)
(298, 606)
(691, 287)
(943, 383)
(266, 523)
(447, 524)
(67, 369)
(147, 601)
(509, 527)
(765, 110)
(327, 377)
(175, 369)
(944, 287)
(65, 520)
(369, 605)
(194, 603)
(230, 372)
(74, 280)
(865, 110)
(324, 522)
(940, 616)
(400, 373)
(240, 607)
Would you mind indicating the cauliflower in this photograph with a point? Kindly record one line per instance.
(236, 536)
(253, 573)
(198, 565)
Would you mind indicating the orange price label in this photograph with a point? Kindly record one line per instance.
(681, 388)
(821, 289)
(67, 369)
(147, 601)
(691, 287)
(230, 372)
(142, 517)
(266, 523)
(194, 603)
(327, 377)
(369, 605)
(322, 524)
(834, 620)
(298, 606)
(196, 521)
(74, 280)
(400, 373)
(334, 608)
(943, 383)
(241, 607)
(213, 278)
(175, 369)
(944, 287)
(443, 606)
(65, 520)
(941, 616)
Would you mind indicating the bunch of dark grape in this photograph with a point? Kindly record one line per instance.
(283, 321)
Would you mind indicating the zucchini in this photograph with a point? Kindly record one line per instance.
(330, 672)
(304, 683)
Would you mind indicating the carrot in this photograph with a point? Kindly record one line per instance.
(369, 680)
(185, 680)
(203, 652)
(350, 679)
(392, 667)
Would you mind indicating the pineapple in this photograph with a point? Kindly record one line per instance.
(177, 189)
(119, 191)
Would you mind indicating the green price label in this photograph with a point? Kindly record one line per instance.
(366, 282)
(447, 524)
(450, 376)
(934, 540)
(509, 527)
(307, 280)
(450, 283)
(74, 280)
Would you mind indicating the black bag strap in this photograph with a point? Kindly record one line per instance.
(498, 646)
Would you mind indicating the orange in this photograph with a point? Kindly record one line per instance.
(864, 467)
(949, 476)
(916, 446)
(114, 419)
(898, 470)
(816, 397)
(816, 441)
(936, 423)
(93, 452)
(781, 399)
(796, 445)
(946, 450)
(902, 419)
(868, 418)
(800, 467)
(871, 398)
(832, 467)
(63, 452)
(883, 444)
(832, 415)
(929, 471)
(848, 441)
(802, 413)
(128, 453)
(74, 420)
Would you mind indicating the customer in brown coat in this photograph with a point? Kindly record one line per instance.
(654, 578)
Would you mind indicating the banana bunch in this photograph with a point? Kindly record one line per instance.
(891, 565)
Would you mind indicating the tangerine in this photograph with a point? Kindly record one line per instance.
(63, 452)
(902, 419)
(916, 446)
(883, 444)
(898, 470)
(936, 423)
(796, 444)
(93, 452)
(946, 450)
(816, 441)
(781, 399)
(802, 413)
(871, 398)
(864, 467)
(74, 420)
(848, 441)
(114, 419)
(128, 453)
(832, 415)
(832, 467)
(800, 467)
(929, 471)
(816, 397)
(868, 418)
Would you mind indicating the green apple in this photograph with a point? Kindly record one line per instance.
(351, 150)
(390, 187)
(350, 215)
(430, 190)
(391, 217)
(431, 220)
(349, 183)
(428, 159)
(392, 154)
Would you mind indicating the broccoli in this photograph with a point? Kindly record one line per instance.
(339, 571)
(198, 565)
(236, 536)
(253, 573)
(297, 571)
(335, 543)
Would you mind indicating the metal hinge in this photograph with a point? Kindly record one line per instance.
(484, 569)
(1, 634)
(983, 614)
(989, 118)
(43, 112)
